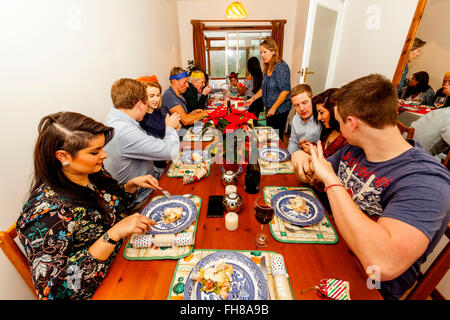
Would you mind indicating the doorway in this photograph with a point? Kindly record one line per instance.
(322, 33)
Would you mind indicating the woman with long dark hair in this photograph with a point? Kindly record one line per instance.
(330, 136)
(253, 84)
(418, 89)
(70, 226)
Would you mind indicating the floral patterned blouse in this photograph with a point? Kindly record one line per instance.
(56, 235)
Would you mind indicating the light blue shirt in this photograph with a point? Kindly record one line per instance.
(131, 151)
(300, 130)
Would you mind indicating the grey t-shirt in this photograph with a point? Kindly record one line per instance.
(413, 188)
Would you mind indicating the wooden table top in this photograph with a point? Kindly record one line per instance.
(306, 264)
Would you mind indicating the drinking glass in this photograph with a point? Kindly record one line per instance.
(440, 101)
(264, 214)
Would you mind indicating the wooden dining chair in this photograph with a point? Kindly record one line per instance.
(430, 279)
(16, 256)
(409, 130)
(446, 162)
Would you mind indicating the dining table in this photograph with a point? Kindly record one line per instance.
(409, 111)
(306, 263)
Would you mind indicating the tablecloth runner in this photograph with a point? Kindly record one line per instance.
(162, 253)
(185, 265)
(321, 233)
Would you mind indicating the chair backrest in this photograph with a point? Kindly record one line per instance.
(446, 162)
(16, 256)
(433, 275)
(409, 130)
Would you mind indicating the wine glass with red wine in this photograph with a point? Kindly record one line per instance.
(264, 214)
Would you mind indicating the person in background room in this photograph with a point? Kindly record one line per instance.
(415, 51)
(70, 227)
(444, 91)
(275, 88)
(418, 89)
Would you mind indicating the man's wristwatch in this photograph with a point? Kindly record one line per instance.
(106, 238)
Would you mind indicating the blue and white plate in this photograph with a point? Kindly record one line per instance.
(280, 202)
(247, 280)
(155, 211)
(274, 154)
(187, 156)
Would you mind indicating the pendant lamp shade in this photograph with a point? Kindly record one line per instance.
(236, 11)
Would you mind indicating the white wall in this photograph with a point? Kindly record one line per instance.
(256, 10)
(64, 55)
(372, 38)
(434, 29)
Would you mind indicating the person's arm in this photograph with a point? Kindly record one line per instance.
(282, 96)
(256, 96)
(136, 144)
(188, 118)
(390, 244)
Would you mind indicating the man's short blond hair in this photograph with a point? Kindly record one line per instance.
(300, 88)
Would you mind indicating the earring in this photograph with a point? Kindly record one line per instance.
(65, 164)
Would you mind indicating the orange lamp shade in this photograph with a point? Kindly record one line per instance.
(236, 11)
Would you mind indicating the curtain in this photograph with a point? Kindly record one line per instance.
(278, 34)
(199, 43)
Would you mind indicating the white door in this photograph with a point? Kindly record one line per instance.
(322, 32)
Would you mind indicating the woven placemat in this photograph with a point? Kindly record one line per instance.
(185, 265)
(162, 253)
(207, 136)
(322, 232)
(268, 168)
(179, 169)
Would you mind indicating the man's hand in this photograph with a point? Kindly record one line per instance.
(206, 90)
(323, 170)
(302, 168)
(173, 121)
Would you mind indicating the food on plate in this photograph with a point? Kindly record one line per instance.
(273, 156)
(172, 214)
(216, 279)
(196, 157)
(298, 204)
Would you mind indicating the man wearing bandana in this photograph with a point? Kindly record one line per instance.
(174, 102)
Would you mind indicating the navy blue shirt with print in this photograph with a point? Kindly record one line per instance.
(279, 80)
(413, 188)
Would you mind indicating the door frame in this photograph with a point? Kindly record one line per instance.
(334, 5)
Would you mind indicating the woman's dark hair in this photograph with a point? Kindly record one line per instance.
(422, 79)
(254, 68)
(326, 98)
(234, 75)
(71, 132)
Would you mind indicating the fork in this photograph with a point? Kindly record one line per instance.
(166, 193)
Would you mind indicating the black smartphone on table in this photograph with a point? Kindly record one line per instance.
(215, 207)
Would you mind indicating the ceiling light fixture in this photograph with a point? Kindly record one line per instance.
(236, 11)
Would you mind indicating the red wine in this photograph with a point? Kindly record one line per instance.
(264, 214)
(252, 178)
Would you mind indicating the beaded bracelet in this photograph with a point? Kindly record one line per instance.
(333, 185)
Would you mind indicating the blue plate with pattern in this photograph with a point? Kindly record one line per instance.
(247, 280)
(193, 156)
(155, 211)
(284, 209)
(274, 154)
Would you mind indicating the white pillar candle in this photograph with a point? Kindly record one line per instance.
(231, 221)
(230, 189)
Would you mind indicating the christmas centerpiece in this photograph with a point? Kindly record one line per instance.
(235, 126)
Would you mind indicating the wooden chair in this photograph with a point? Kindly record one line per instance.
(446, 162)
(16, 256)
(428, 282)
(409, 130)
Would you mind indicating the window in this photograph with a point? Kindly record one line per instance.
(228, 51)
